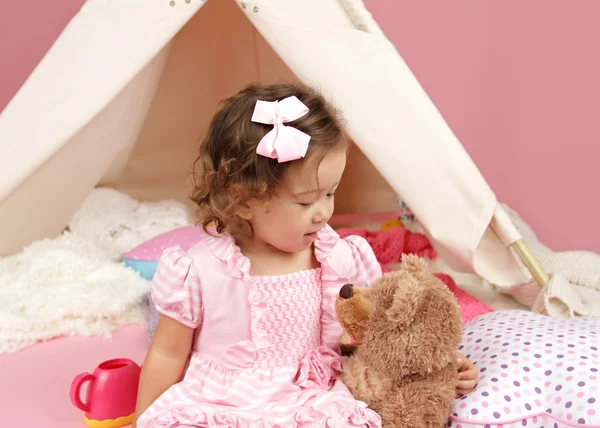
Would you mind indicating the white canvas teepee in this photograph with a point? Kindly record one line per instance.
(124, 93)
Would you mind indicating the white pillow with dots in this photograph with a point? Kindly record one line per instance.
(535, 371)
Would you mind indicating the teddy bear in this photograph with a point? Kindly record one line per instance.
(407, 328)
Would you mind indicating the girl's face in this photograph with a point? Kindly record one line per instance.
(289, 221)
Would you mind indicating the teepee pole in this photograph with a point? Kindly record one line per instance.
(531, 262)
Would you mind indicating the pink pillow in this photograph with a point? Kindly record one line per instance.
(144, 258)
(186, 237)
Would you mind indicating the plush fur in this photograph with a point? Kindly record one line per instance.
(407, 328)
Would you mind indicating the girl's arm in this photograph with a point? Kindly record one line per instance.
(165, 361)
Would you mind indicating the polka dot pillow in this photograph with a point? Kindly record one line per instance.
(536, 371)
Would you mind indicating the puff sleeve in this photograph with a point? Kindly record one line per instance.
(348, 260)
(176, 289)
(364, 268)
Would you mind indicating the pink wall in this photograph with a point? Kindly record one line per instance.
(27, 30)
(517, 82)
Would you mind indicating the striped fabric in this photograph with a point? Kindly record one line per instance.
(365, 269)
(176, 289)
(283, 374)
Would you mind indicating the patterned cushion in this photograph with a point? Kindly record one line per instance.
(536, 371)
(144, 258)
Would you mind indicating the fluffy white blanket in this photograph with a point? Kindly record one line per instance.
(75, 284)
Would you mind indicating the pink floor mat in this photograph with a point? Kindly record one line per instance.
(35, 382)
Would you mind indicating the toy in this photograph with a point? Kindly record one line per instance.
(391, 224)
(408, 329)
(389, 248)
(111, 395)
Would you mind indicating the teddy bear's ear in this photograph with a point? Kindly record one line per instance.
(407, 299)
(413, 263)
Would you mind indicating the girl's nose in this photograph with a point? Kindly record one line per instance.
(322, 214)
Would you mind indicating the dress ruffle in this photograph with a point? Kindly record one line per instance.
(318, 368)
(214, 417)
(294, 399)
(241, 354)
(225, 249)
(330, 414)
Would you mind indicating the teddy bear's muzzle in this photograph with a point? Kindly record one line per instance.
(346, 291)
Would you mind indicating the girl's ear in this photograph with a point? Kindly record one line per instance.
(245, 209)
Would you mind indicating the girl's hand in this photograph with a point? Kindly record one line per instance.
(468, 374)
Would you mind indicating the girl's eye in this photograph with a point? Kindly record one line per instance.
(306, 204)
(330, 195)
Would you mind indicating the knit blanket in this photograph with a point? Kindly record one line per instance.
(75, 284)
(574, 286)
(389, 246)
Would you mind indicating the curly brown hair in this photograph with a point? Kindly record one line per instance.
(228, 172)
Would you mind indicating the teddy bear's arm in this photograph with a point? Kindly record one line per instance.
(364, 383)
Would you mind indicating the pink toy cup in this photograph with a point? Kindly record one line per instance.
(111, 395)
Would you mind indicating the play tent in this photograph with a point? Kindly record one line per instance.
(123, 95)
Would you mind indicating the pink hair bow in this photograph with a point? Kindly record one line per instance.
(284, 143)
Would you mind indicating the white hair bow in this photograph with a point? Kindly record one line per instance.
(284, 143)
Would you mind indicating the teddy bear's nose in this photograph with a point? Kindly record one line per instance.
(346, 291)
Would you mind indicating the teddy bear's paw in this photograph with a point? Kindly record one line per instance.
(364, 383)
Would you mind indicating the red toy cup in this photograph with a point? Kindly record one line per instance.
(111, 395)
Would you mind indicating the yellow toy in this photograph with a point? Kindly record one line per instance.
(391, 224)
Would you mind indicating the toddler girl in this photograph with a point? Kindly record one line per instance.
(247, 335)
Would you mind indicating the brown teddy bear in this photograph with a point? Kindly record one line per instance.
(407, 329)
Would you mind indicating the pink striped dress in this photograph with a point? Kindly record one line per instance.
(265, 348)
